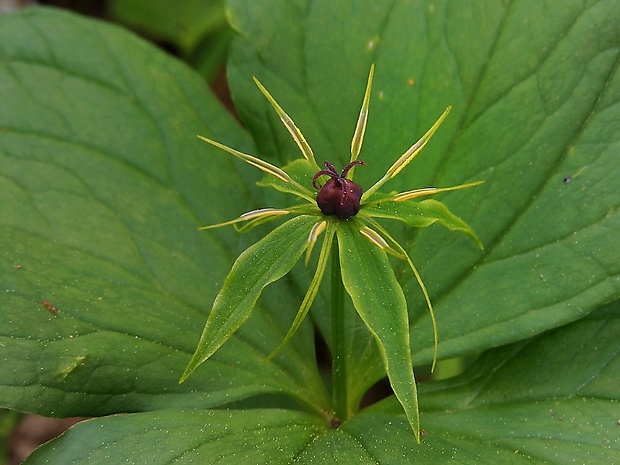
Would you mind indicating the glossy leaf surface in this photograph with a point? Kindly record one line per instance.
(197, 29)
(103, 186)
(518, 404)
(530, 116)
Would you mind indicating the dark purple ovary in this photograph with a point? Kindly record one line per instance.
(332, 200)
(339, 196)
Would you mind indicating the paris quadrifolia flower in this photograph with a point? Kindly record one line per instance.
(341, 213)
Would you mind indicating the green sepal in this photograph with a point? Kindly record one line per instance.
(259, 265)
(380, 302)
(301, 171)
(312, 289)
(420, 215)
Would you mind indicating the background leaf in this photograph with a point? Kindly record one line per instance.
(103, 185)
(198, 30)
(519, 404)
(534, 91)
(186, 437)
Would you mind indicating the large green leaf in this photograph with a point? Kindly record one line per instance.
(534, 90)
(184, 22)
(197, 28)
(552, 399)
(170, 436)
(103, 186)
(517, 405)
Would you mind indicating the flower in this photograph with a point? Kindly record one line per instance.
(340, 210)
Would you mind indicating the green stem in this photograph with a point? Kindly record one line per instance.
(339, 361)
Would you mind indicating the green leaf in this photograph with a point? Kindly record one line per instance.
(184, 22)
(551, 399)
(102, 191)
(103, 186)
(259, 265)
(378, 299)
(518, 404)
(196, 28)
(531, 107)
(223, 437)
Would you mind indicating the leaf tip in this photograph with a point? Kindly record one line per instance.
(188, 371)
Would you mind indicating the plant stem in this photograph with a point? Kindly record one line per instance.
(339, 360)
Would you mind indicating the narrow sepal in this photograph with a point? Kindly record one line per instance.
(420, 215)
(312, 289)
(379, 300)
(262, 263)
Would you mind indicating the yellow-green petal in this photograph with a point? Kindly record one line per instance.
(406, 157)
(315, 232)
(288, 122)
(262, 165)
(376, 239)
(401, 253)
(263, 214)
(360, 128)
(415, 193)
